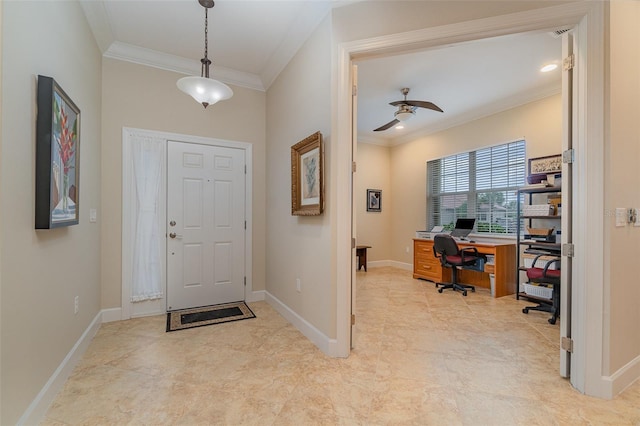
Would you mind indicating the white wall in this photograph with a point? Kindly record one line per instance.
(43, 271)
(298, 105)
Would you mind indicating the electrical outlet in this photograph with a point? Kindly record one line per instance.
(298, 285)
(407, 249)
(76, 304)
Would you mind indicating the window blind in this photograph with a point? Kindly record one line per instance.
(479, 184)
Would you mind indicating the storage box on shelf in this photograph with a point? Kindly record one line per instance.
(541, 291)
(538, 210)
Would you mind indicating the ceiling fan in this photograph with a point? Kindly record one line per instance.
(406, 109)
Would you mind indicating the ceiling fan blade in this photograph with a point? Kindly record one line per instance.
(421, 104)
(388, 125)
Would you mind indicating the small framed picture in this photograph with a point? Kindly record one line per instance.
(307, 176)
(374, 200)
(544, 165)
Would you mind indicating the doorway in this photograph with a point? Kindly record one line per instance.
(242, 152)
(586, 266)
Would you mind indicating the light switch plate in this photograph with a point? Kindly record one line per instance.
(93, 215)
(621, 216)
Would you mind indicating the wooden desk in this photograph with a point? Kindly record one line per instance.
(361, 252)
(426, 266)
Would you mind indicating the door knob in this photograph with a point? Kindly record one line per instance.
(174, 235)
(172, 223)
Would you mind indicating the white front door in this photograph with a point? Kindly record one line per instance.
(205, 225)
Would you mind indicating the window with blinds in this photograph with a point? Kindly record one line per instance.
(479, 184)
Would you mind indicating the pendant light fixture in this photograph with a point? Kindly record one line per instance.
(203, 89)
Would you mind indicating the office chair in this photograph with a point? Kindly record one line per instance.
(545, 275)
(446, 249)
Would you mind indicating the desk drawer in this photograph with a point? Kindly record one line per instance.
(428, 267)
(424, 264)
(423, 248)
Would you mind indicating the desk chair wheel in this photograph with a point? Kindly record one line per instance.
(473, 289)
(440, 290)
(464, 293)
(525, 310)
(552, 321)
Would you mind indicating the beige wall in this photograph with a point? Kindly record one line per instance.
(298, 105)
(372, 228)
(1, 192)
(147, 98)
(540, 123)
(43, 271)
(403, 168)
(622, 180)
(376, 18)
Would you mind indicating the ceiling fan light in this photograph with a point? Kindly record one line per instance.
(404, 115)
(548, 67)
(206, 91)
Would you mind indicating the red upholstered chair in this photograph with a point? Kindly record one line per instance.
(450, 256)
(545, 275)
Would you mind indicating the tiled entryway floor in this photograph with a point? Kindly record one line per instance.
(421, 358)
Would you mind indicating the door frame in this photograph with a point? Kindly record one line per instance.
(158, 307)
(588, 20)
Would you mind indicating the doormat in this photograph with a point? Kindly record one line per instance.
(207, 315)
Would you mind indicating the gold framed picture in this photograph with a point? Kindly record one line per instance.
(307, 176)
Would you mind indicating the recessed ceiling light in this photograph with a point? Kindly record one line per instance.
(549, 67)
(399, 127)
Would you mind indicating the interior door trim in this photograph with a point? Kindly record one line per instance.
(126, 311)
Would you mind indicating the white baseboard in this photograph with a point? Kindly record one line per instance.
(402, 265)
(39, 406)
(111, 315)
(325, 344)
(623, 378)
(392, 263)
(256, 296)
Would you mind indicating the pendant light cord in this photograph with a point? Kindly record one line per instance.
(205, 61)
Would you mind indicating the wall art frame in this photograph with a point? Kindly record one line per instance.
(307, 176)
(57, 157)
(374, 200)
(545, 165)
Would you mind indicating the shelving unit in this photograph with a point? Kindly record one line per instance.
(542, 247)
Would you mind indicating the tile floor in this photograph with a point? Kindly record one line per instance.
(421, 358)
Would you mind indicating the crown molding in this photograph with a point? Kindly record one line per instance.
(375, 141)
(98, 21)
(152, 58)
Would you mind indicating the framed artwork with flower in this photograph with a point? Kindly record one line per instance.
(57, 157)
(307, 176)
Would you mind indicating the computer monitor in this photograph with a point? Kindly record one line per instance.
(463, 227)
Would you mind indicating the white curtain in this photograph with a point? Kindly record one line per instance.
(148, 155)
